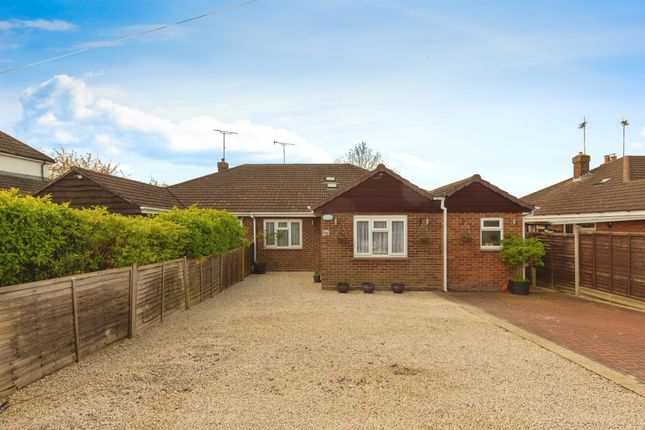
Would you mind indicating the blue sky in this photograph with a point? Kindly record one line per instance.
(443, 89)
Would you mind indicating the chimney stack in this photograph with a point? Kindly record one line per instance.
(221, 166)
(580, 165)
(613, 157)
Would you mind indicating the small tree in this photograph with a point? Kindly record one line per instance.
(363, 156)
(519, 253)
(65, 160)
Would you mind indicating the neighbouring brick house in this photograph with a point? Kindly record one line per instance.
(353, 225)
(21, 166)
(610, 197)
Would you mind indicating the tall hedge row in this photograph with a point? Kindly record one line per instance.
(40, 239)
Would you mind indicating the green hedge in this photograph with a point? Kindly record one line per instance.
(41, 240)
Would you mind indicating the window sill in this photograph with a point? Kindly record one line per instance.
(282, 248)
(490, 248)
(385, 258)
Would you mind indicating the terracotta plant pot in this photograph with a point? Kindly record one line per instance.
(259, 268)
(342, 287)
(519, 287)
(367, 288)
(398, 288)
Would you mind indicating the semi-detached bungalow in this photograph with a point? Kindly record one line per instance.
(353, 225)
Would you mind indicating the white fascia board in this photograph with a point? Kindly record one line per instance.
(149, 210)
(586, 217)
(276, 214)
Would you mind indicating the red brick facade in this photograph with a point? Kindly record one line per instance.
(420, 270)
(305, 259)
(470, 267)
(622, 226)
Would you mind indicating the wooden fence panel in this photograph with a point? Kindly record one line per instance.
(148, 296)
(47, 325)
(637, 269)
(619, 264)
(103, 305)
(587, 256)
(558, 271)
(173, 287)
(602, 263)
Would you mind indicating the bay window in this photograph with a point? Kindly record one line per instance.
(283, 234)
(380, 236)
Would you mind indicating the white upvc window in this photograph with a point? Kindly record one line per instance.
(380, 236)
(283, 233)
(492, 233)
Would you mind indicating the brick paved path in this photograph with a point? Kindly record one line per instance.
(609, 334)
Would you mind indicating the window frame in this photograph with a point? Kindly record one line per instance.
(375, 218)
(482, 229)
(289, 223)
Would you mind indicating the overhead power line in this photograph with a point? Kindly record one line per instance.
(113, 42)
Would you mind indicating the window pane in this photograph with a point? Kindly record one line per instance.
(362, 237)
(283, 224)
(491, 238)
(269, 233)
(379, 243)
(295, 233)
(380, 224)
(491, 223)
(397, 237)
(283, 237)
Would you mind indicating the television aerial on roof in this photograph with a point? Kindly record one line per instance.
(284, 146)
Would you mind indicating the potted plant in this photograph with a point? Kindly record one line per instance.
(317, 276)
(398, 287)
(259, 268)
(342, 287)
(367, 287)
(519, 253)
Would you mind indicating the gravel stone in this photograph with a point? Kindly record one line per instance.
(276, 352)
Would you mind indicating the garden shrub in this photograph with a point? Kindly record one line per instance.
(209, 231)
(41, 240)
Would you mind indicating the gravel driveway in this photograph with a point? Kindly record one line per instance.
(276, 352)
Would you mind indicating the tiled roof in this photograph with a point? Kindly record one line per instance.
(11, 145)
(614, 186)
(135, 192)
(450, 189)
(266, 187)
(26, 184)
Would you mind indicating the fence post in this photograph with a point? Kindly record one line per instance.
(186, 285)
(77, 333)
(576, 258)
(221, 272)
(611, 263)
(593, 256)
(629, 264)
(201, 281)
(132, 323)
(212, 258)
(551, 259)
(163, 276)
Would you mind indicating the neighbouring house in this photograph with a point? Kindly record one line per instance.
(21, 166)
(610, 197)
(353, 225)
(83, 188)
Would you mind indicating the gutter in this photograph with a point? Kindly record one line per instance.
(445, 241)
(151, 210)
(590, 217)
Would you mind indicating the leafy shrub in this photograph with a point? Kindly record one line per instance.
(518, 252)
(40, 239)
(209, 231)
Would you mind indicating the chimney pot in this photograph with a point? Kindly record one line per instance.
(580, 165)
(222, 165)
(607, 159)
(613, 157)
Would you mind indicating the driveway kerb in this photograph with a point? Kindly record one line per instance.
(626, 381)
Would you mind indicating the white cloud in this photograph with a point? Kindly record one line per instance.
(63, 110)
(39, 24)
(403, 161)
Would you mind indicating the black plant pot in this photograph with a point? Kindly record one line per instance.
(398, 288)
(342, 287)
(259, 268)
(367, 288)
(519, 287)
(316, 278)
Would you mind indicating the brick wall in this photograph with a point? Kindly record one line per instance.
(470, 267)
(421, 269)
(305, 259)
(623, 226)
